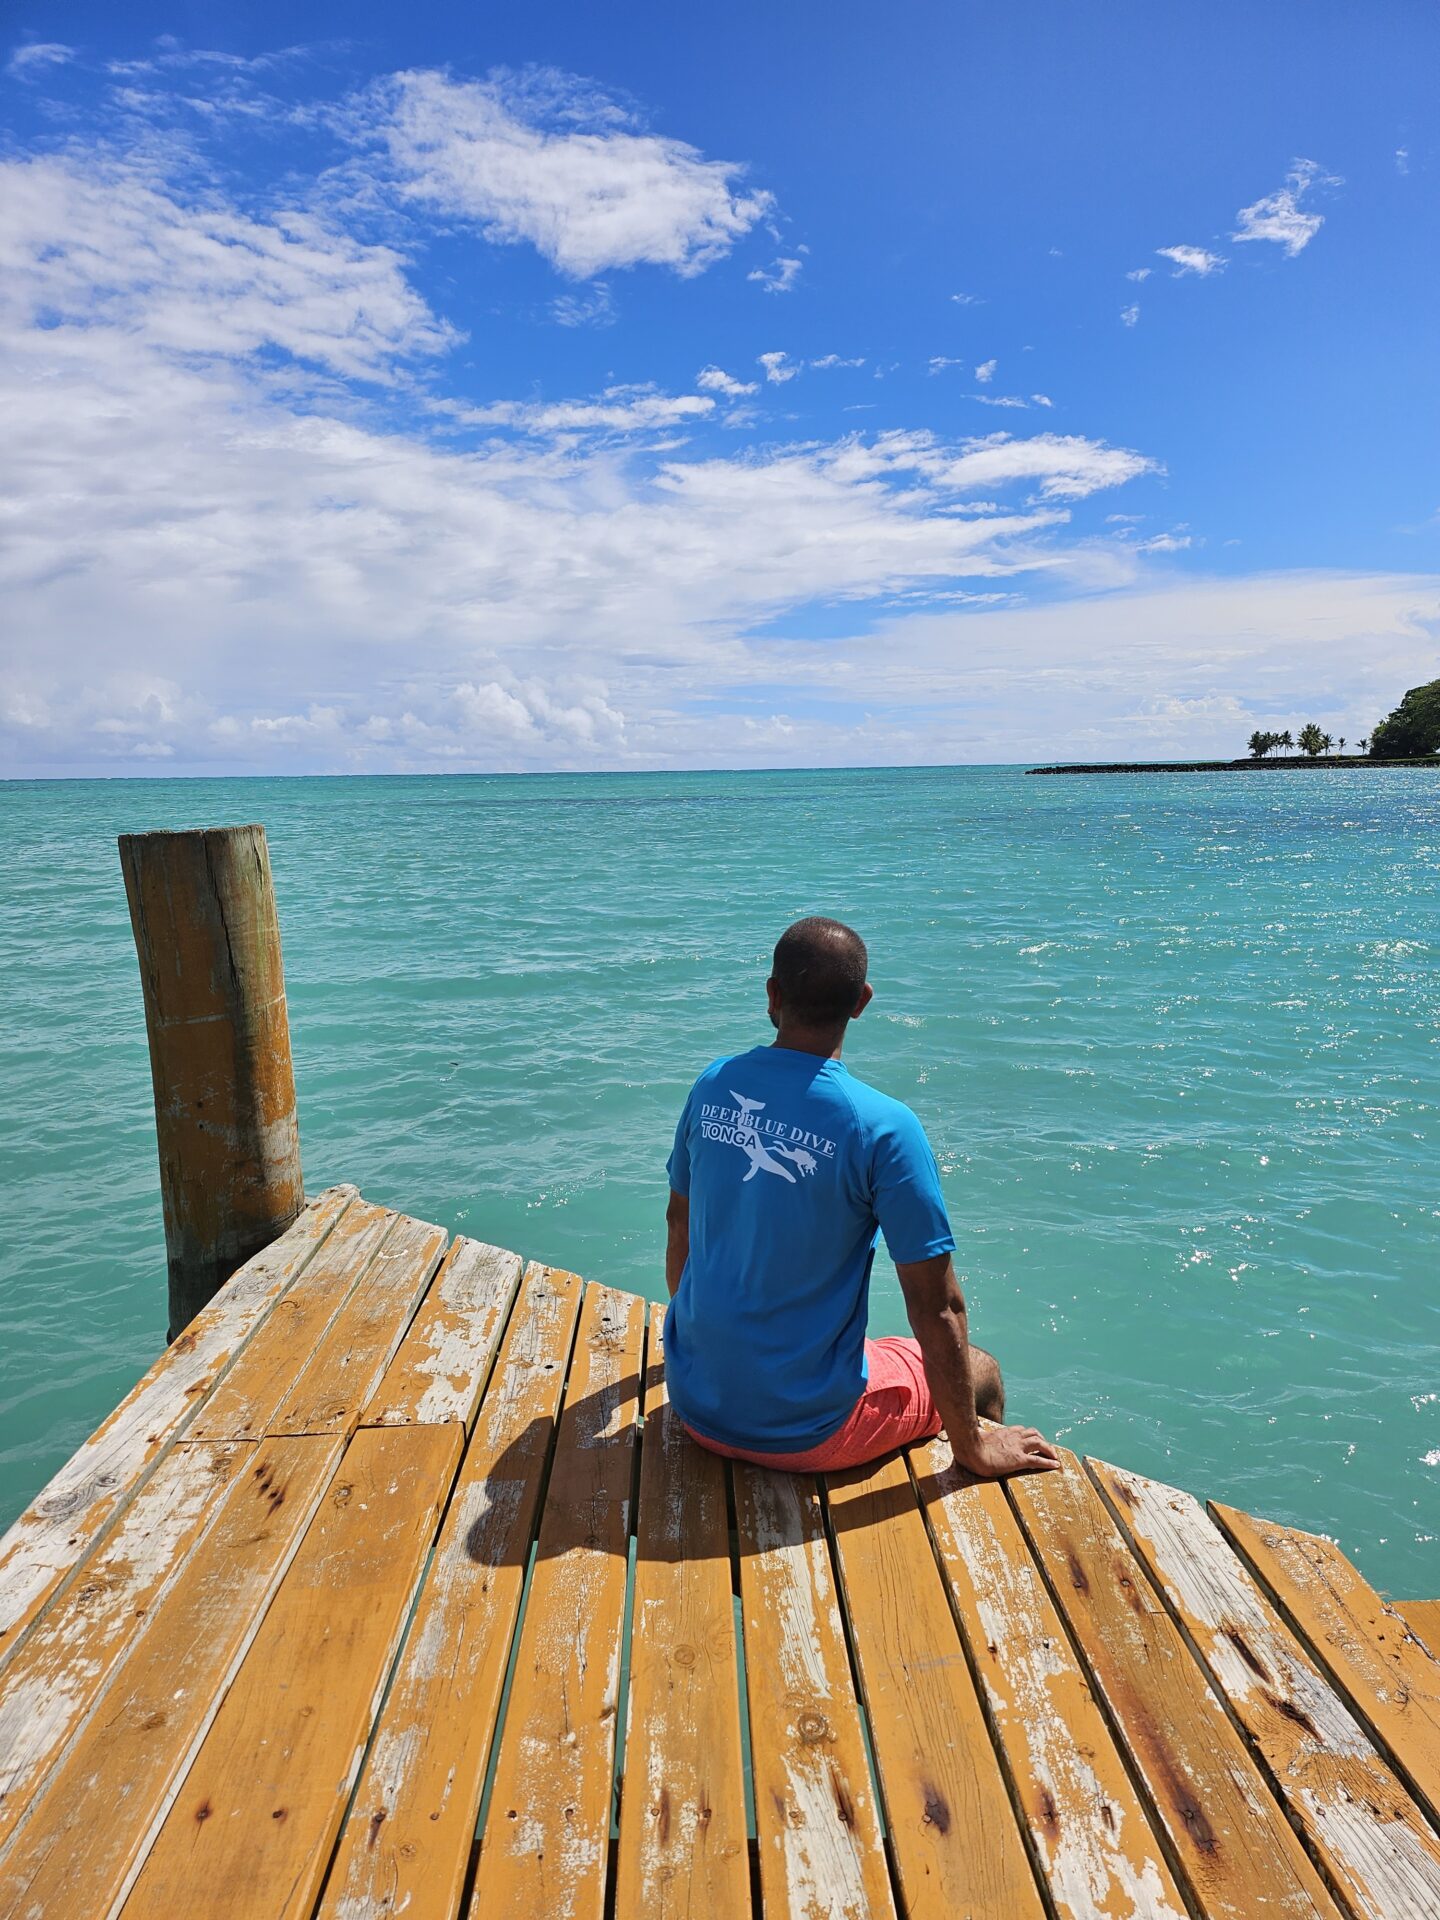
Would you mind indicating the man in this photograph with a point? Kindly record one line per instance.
(785, 1171)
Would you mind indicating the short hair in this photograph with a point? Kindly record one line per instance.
(819, 971)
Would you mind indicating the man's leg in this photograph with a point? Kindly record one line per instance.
(989, 1387)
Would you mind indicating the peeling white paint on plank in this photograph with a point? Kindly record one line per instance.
(52, 1538)
(1365, 1646)
(1371, 1839)
(1229, 1836)
(406, 1843)
(351, 1358)
(682, 1814)
(443, 1361)
(1094, 1845)
(75, 1650)
(815, 1814)
(547, 1829)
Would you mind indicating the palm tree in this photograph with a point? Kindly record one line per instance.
(1312, 741)
(1341, 743)
(1284, 740)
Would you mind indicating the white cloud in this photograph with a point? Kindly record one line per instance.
(28, 60)
(939, 362)
(548, 160)
(716, 380)
(1139, 273)
(595, 307)
(1165, 543)
(1278, 216)
(985, 372)
(1042, 400)
(1001, 400)
(779, 277)
(1129, 315)
(967, 300)
(1188, 667)
(1402, 159)
(1197, 260)
(779, 367)
(101, 243)
(244, 535)
(835, 360)
(616, 410)
(1067, 466)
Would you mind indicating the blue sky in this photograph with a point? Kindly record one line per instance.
(440, 388)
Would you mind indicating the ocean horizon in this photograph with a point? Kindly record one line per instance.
(1174, 1041)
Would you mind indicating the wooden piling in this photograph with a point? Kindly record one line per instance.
(203, 909)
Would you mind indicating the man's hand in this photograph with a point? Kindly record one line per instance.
(990, 1453)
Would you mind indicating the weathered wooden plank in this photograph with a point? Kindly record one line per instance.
(956, 1844)
(1389, 1678)
(52, 1538)
(74, 1651)
(265, 1376)
(683, 1852)
(1422, 1617)
(445, 1357)
(1361, 1826)
(92, 1820)
(251, 1830)
(1087, 1827)
(360, 1342)
(406, 1845)
(1230, 1839)
(548, 1824)
(818, 1827)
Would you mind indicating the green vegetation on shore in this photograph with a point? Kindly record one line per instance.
(1411, 732)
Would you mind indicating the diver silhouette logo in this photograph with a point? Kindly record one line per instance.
(766, 1158)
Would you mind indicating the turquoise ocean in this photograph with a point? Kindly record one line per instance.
(1176, 1039)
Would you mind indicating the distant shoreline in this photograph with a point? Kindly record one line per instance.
(1302, 764)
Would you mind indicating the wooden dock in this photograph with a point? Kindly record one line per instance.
(394, 1589)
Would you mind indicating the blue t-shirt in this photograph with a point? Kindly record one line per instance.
(793, 1168)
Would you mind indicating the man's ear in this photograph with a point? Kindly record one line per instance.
(867, 994)
(772, 994)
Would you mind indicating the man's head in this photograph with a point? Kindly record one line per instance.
(817, 980)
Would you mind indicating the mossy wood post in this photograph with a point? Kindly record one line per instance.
(203, 909)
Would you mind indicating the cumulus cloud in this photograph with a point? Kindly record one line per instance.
(101, 243)
(967, 300)
(779, 367)
(27, 61)
(1129, 315)
(779, 277)
(250, 530)
(940, 361)
(716, 380)
(1279, 217)
(985, 372)
(1197, 260)
(827, 360)
(1139, 273)
(547, 160)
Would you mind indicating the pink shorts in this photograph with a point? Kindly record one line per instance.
(895, 1410)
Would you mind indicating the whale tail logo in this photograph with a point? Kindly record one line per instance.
(765, 1158)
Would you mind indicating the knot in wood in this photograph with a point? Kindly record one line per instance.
(813, 1728)
(683, 1655)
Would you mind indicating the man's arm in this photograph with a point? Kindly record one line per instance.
(677, 1239)
(937, 1318)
